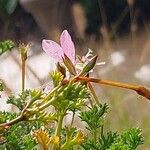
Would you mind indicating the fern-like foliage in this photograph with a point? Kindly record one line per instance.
(101, 140)
(1, 86)
(18, 136)
(94, 117)
(128, 140)
(70, 97)
(19, 101)
(5, 46)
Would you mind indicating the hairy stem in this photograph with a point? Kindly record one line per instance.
(95, 136)
(14, 121)
(93, 93)
(59, 125)
(23, 51)
(23, 74)
(58, 129)
(139, 89)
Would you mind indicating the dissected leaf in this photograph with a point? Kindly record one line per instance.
(1, 86)
(56, 77)
(6, 46)
(94, 117)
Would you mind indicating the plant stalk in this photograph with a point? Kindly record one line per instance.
(59, 125)
(95, 136)
(93, 93)
(58, 129)
(139, 89)
(14, 121)
(23, 72)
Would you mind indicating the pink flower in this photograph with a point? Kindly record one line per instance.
(57, 51)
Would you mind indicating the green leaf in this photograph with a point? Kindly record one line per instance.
(35, 94)
(56, 77)
(119, 146)
(18, 136)
(7, 7)
(129, 140)
(94, 116)
(1, 86)
(5, 46)
(105, 141)
(70, 97)
(11, 6)
(132, 137)
(20, 100)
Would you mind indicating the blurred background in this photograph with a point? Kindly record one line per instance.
(117, 30)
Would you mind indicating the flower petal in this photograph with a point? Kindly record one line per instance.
(68, 45)
(53, 49)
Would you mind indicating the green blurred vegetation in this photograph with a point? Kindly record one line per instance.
(7, 7)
